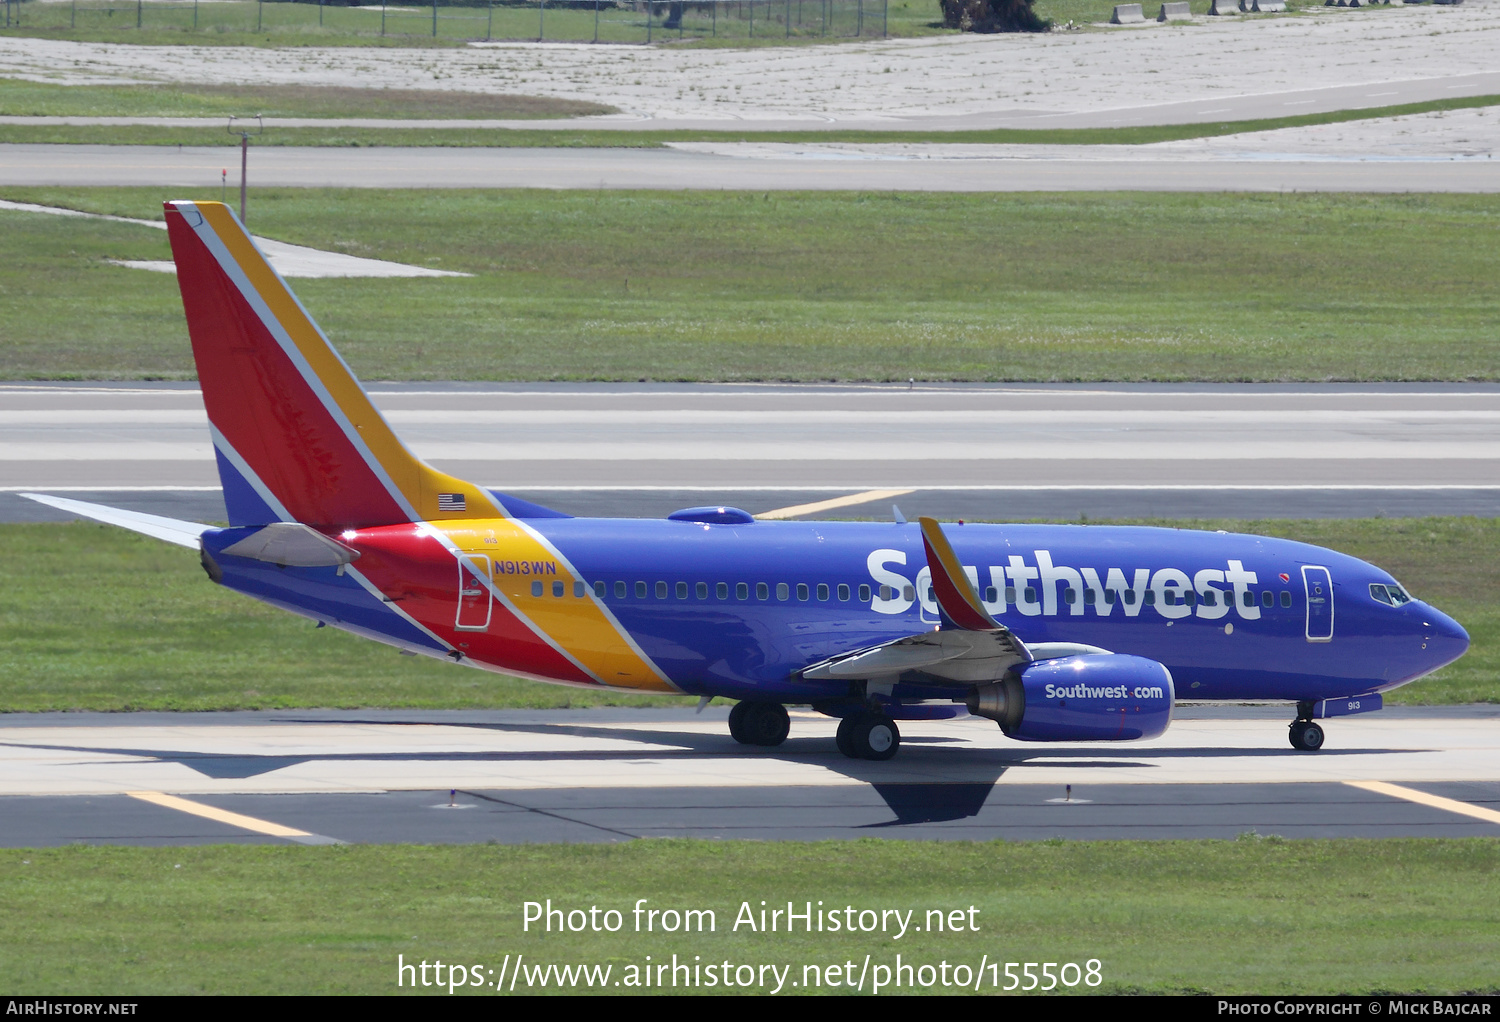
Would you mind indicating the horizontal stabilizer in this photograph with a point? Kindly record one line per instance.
(170, 529)
(292, 545)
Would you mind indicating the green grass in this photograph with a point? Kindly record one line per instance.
(1253, 916)
(240, 23)
(96, 618)
(20, 98)
(805, 286)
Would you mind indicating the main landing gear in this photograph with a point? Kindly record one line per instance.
(755, 723)
(868, 734)
(1305, 734)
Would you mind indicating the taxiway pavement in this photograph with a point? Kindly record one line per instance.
(318, 777)
(198, 169)
(973, 451)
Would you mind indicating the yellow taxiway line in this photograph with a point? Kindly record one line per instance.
(1422, 798)
(797, 510)
(249, 823)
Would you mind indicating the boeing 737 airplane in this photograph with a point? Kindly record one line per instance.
(1058, 633)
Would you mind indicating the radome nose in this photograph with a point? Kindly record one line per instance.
(1444, 638)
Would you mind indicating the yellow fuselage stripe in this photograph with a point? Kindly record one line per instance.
(577, 624)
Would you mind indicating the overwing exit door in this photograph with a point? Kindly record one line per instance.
(1319, 588)
(474, 595)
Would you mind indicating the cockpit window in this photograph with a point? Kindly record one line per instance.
(1389, 593)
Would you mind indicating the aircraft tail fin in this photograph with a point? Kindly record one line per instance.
(296, 437)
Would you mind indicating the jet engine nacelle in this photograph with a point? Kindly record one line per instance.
(1100, 697)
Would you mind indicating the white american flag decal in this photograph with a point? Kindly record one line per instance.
(451, 502)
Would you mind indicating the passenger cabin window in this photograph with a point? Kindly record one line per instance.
(802, 591)
(1109, 596)
(640, 590)
(1148, 599)
(1010, 594)
(1030, 595)
(579, 589)
(682, 590)
(822, 590)
(600, 589)
(1211, 598)
(864, 594)
(1267, 598)
(558, 588)
(661, 590)
(991, 595)
(843, 593)
(1286, 598)
(1070, 595)
(536, 589)
(702, 590)
(782, 590)
(1090, 597)
(742, 590)
(721, 590)
(762, 591)
(1248, 599)
(908, 593)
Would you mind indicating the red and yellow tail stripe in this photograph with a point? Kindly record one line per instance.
(283, 400)
(950, 583)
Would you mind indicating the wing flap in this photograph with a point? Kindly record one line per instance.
(951, 655)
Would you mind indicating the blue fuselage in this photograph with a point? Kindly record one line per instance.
(739, 610)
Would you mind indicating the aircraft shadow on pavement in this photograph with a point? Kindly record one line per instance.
(971, 773)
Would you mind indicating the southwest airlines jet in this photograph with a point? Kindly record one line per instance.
(1057, 633)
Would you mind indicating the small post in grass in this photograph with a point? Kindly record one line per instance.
(245, 136)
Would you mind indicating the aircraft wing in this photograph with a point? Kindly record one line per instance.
(949, 654)
(970, 645)
(170, 529)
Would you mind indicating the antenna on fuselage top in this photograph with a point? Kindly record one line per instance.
(900, 518)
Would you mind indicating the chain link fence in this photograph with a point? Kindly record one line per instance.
(604, 21)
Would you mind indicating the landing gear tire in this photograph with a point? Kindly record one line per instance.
(846, 746)
(764, 724)
(1306, 736)
(869, 736)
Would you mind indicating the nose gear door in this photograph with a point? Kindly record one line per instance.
(1318, 585)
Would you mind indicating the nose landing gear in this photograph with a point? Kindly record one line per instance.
(1306, 735)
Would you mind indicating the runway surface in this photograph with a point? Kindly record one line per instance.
(318, 777)
(192, 168)
(982, 452)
